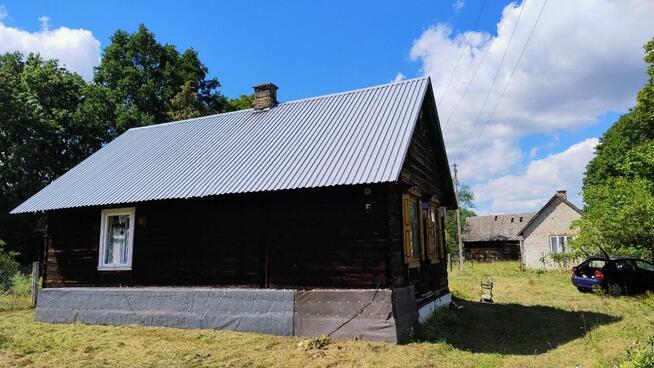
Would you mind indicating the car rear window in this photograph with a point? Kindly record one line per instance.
(596, 263)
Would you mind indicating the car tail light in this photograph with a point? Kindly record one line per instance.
(599, 275)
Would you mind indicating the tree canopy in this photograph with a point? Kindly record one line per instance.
(152, 82)
(51, 118)
(619, 182)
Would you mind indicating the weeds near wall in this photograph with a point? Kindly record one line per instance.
(16, 288)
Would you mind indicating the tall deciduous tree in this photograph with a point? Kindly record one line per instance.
(42, 134)
(51, 119)
(619, 183)
(154, 83)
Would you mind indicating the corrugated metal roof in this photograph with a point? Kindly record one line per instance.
(354, 137)
(495, 227)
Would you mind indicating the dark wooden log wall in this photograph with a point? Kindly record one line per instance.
(337, 237)
(493, 250)
(425, 171)
(329, 237)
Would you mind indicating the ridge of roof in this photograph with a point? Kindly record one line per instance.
(329, 95)
(362, 139)
(502, 215)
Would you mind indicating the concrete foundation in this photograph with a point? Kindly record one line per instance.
(426, 310)
(373, 314)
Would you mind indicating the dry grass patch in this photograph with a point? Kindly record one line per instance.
(538, 320)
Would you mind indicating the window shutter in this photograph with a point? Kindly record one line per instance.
(430, 233)
(406, 228)
(441, 233)
(421, 226)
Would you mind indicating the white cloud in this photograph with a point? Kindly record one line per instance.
(45, 23)
(528, 190)
(490, 160)
(77, 49)
(584, 59)
(399, 77)
(457, 5)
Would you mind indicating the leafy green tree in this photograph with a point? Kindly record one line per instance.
(8, 263)
(619, 182)
(619, 216)
(241, 103)
(154, 83)
(185, 104)
(51, 119)
(42, 134)
(466, 199)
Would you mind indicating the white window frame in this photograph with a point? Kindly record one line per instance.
(130, 211)
(562, 242)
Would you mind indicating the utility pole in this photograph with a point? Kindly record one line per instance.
(458, 216)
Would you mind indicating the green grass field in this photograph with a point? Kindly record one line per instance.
(538, 320)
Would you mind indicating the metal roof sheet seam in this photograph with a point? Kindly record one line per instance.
(352, 137)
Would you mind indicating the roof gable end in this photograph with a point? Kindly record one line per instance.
(552, 200)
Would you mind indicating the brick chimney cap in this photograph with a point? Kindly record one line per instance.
(267, 84)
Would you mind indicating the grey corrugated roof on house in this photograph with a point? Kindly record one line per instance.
(495, 227)
(354, 137)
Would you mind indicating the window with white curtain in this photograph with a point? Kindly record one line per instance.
(558, 243)
(116, 239)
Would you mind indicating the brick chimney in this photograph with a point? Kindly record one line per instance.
(563, 194)
(265, 96)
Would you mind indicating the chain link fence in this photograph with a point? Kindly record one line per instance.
(19, 287)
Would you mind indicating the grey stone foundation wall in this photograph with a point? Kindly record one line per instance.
(382, 314)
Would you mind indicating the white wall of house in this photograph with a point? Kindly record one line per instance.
(555, 220)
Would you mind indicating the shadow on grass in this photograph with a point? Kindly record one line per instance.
(509, 328)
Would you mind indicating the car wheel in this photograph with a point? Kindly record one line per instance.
(615, 288)
(582, 290)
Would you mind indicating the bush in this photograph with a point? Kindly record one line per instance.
(21, 284)
(564, 260)
(642, 356)
(8, 263)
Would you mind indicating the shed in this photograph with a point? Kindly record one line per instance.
(315, 216)
(494, 237)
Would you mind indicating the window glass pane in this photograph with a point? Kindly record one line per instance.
(624, 265)
(117, 236)
(596, 263)
(554, 244)
(644, 265)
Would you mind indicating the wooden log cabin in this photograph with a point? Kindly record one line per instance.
(494, 237)
(338, 198)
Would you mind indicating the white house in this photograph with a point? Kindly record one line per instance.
(548, 232)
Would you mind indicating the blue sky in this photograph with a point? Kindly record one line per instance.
(573, 81)
(306, 47)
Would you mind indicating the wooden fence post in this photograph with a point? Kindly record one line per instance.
(35, 282)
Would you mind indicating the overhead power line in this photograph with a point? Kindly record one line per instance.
(490, 117)
(499, 67)
(458, 61)
(490, 45)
